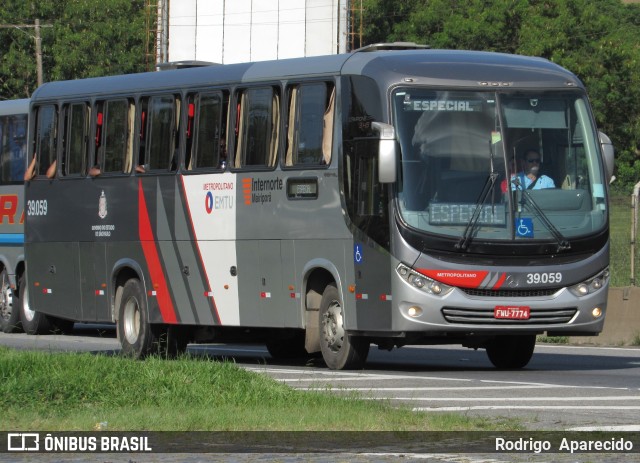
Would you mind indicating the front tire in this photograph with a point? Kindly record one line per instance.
(340, 350)
(9, 303)
(510, 352)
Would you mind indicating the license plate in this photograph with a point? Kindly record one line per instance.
(512, 312)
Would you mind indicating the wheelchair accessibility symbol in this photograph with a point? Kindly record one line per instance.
(357, 253)
(524, 227)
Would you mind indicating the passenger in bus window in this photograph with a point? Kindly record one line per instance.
(95, 170)
(30, 173)
(51, 170)
(529, 177)
(31, 170)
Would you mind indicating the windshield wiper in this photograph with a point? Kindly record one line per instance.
(563, 243)
(464, 240)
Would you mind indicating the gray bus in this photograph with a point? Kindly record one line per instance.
(322, 204)
(13, 145)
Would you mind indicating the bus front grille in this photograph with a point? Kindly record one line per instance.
(468, 316)
(510, 292)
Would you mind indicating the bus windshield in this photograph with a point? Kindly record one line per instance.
(499, 166)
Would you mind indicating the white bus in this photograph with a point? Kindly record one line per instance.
(322, 205)
(13, 148)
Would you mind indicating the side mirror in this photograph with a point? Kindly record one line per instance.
(607, 154)
(386, 152)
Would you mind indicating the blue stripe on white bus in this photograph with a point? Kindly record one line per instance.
(11, 238)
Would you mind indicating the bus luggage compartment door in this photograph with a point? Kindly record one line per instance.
(93, 281)
(52, 276)
(261, 297)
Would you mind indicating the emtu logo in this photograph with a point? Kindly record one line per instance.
(246, 190)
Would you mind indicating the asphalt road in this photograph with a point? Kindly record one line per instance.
(562, 388)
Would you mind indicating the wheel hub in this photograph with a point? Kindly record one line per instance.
(131, 321)
(333, 327)
(6, 302)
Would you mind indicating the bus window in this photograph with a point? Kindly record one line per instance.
(310, 125)
(209, 145)
(258, 124)
(76, 137)
(116, 144)
(13, 147)
(161, 146)
(46, 138)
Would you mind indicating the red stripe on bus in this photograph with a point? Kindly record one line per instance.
(148, 242)
(500, 281)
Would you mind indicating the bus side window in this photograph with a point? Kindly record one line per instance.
(310, 125)
(45, 141)
(116, 136)
(13, 147)
(161, 143)
(258, 127)
(76, 137)
(210, 123)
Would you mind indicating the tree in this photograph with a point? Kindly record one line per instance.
(80, 38)
(598, 41)
(97, 38)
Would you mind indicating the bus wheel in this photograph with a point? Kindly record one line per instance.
(340, 350)
(139, 338)
(9, 314)
(511, 351)
(134, 330)
(32, 322)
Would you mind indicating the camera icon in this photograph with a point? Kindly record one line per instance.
(23, 442)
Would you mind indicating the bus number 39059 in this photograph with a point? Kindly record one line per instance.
(543, 278)
(37, 207)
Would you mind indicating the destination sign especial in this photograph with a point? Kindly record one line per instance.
(443, 105)
(461, 214)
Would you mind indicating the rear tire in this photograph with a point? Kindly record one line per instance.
(134, 331)
(139, 338)
(340, 350)
(510, 352)
(33, 322)
(9, 303)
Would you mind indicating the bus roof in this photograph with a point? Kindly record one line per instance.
(423, 66)
(10, 107)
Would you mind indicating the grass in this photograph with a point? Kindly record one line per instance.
(620, 216)
(553, 339)
(42, 391)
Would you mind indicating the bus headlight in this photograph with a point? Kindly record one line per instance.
(591, 285)
(422, 282)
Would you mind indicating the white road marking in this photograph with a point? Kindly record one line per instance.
(343, 375)
(585, 348)
(516, 399)
(621, 428)
(523, 407)
(447, 388)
